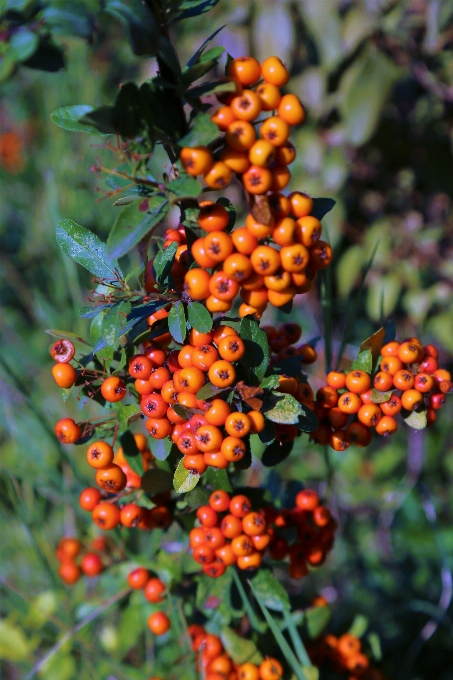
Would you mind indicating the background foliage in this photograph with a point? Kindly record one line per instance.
(377, 79)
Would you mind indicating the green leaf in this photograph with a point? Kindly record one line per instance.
(380, 397)
(69, 19)
(316, 620)
(364, 361)
(164, 260)
(87, 249)
(164, 108)
(273, 594)
(156, 480)
(125, 415)
(321, 206)
(208, 391)
(142, 24)
(276, 452)
(130, 117)
(199, 317)
(308, 422)
(184, 187)
(183, 480)
(131, 452)
(196, 57)
(134, 222)
(23, 44)
(177, 322)
(285, 409)
(203, 132)
(416, 419)
(374, 343)
(161, 448)
(270, 383)
(193, 8)
(193, 73)
(238, 648)
(256, 347)
(217, 479)
(100, 119)
(113, 322)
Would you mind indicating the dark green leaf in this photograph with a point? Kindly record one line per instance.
(87, 249)
(182, 411)
(164, 109)
(48, 57)
(390, 331)
(141, 22)
(217, 479)
(192, 8)
(129, 116)
(163, 261)
(208, 391)
(134, 222)
(291, 366)
(193, 73)
(183, 480)
(114, 322)
(68, 118)
(131, 452)
(256, 347)
(184, 187)
(321, 206)
(199, 317)
(100, 119)
(276, 452)
(203, 132)
(177, 322)
(221, 86)
(196, 57)
(374, 343)
(364, 362)
(283, 408)
(156, 481)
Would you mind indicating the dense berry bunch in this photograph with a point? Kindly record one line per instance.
(231, 533)
(76, 560)
(344, 656)
(154, 591)
(352, 405)
(216, 664)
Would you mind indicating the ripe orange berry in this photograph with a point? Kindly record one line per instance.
(222, 287)
(262, 153)
(279, 282)
(113, 389)
(269, 95)
(391, 365)
(64, 375)
(255, 298)
(67, 431)
(320, 255)
(212, 216)
(240, 506)
(336, 379)
(327, 397)
(274, 71)
(248, 671)
(159, 623)
(89, 498)
(99, 455)
(257, 229)
(226, 554)
(349, 402)
(253, 282)
(196, 283)
(158, 428)
(190, 379)
(247, 106)
(240, 135)
(242, 545)
(219, 176)
(294, 258)
(358, 434)
(383, 381)
(275, 130)
(265, 260)
(222, 332)
(271, 669)
(244, 241)
(154, 590)
(231, 526)
(198, 339)
(223, 117)
(213, 304)
(222, 373)
(253, 524)
(219, 501)
(308, 230)
(138, 578)
(218, 246)
(284, 231)
(291, 110)
(106, 516)
(409, 352)
(208, 438)
(200, 256)
(369, 414)
(246, 70)
(237, 161)
(403, 380)
(386, 426)
(216, 459)
(195, 463)
(217, 412)
(237, 266)
(69, 572)
(111, 478)
(339, 440)
(203, 357)
(358, 381)
(196, 160)
(424, 382)
(411, 399)
(231, 348)
(257, 180)
(279, 204)
(68, 548)
(286, 154)
(237, 425)
(301, 204)
(251, 561)
(281, 177)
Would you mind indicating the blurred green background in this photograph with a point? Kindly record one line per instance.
(377, 80)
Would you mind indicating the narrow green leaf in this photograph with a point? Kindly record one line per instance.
(68, 118)
(164, 260)
(134, 222)
(208, 391)
(257, 348)
(296, 639)
(177, 322)
(87, 249)
(238, 648)
(184, 480)
(217, 479)
(192, 8)
(101, 119)
(199, 317)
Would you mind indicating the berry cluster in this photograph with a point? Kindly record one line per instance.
(154, 591)
(231, 533)
(343, 655)
(113, 475)
(408, 379)
(63, 372)
(282, 340)
(75, 561)
(216, 664)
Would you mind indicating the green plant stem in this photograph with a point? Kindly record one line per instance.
(296, 639)
(67, 636)
(254, 621)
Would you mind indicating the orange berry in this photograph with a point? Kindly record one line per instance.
(257, 422)
(281, 177)
(222, 373)
(64, 375)
(247, 106)
(219, 176)
(246, 70)
(269, 95)
(262, 153)
(320, 255)
(308, 230)
(274, 71)
(113, 389)
(294, 258)
(111, 478)
(291, 110)
(238, 424)
(223, 117)
(275, 130)
(99, 455)
(240, 135)
(106, 516)
(212, 216)
(159, 623)
(286, 154)
(237, 161)
(222, 287)
(217, 412)
(196, 160)
(386, 426)
(265, 260)
(411, 399)
(196, 283)
(279, 204)
(257, 180)
(358, 381)
(218, 246)
(200, 256)
(257, 229)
